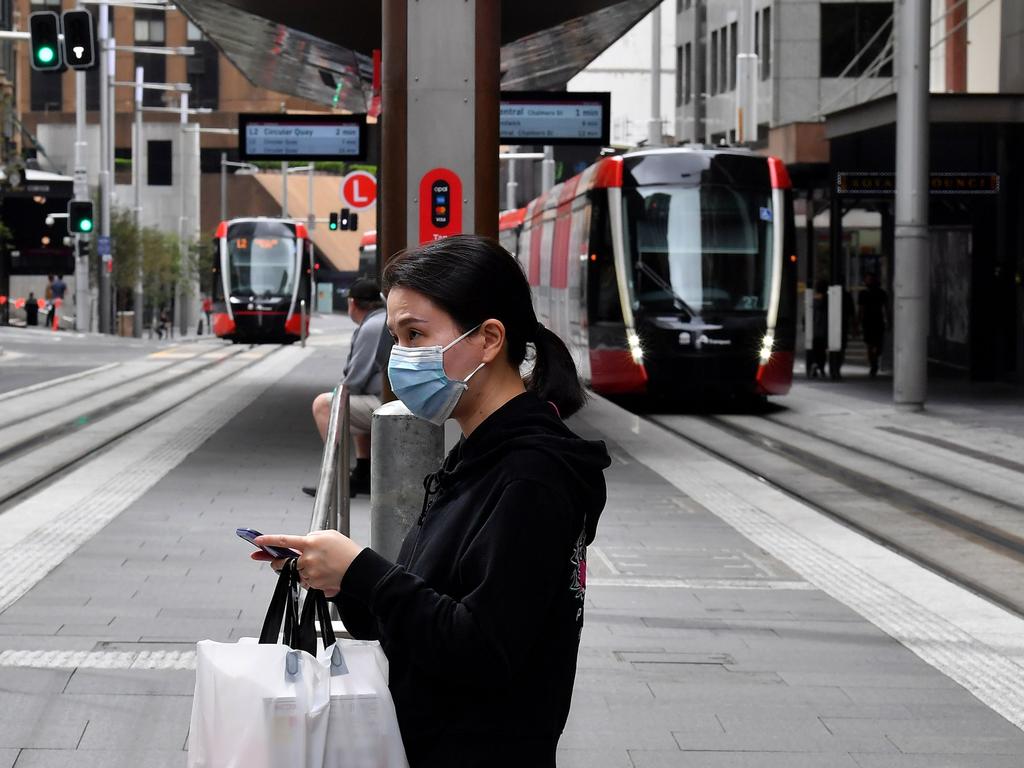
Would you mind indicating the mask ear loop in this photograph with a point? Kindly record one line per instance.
(467, 333)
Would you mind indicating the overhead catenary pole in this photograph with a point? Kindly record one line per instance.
(654, 136)
(181, 317)
(511, 184)
(284, 189)
(223, 186)
(911, 238)
(105, 176)
(137, 201)
(746, 78)
(83, 313)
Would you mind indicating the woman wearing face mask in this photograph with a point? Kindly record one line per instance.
(481, 615)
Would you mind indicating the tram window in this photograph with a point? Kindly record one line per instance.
(262, 266)
(699, 248)
(602, 287)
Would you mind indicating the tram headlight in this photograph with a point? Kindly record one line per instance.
(635, 350)
(767, 343)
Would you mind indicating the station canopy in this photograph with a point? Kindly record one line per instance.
(323, 51)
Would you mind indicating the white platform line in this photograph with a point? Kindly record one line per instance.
(54, 382)
(698, 584)
(99, 659)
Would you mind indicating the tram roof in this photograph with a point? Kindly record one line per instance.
(307, 48)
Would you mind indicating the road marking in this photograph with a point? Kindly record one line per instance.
(80, 504)
(55, 382)
(600, 555)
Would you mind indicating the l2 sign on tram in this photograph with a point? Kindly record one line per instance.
(359, 190)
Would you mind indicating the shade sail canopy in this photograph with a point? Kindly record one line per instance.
(322, 51)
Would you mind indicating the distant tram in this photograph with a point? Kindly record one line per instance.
(261, 273)
(668, 272)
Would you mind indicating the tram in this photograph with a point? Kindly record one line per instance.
(668, 272)
(261, 273)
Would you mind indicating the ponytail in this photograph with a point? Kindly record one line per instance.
(554, 377)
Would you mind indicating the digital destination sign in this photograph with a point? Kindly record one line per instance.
(301, 137)
(544, 117)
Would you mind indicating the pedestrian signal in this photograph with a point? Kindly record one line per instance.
(80, 219)
(44, 30)
(79, 39)
(345, 218)
(332, 222)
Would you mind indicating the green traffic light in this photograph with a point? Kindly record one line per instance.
(332, 225)
(45, 54)
(85, 225)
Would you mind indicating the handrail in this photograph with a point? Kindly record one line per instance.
(331, 503)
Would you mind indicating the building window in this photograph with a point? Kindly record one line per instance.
(203, 71)
(159, 164)
(713, 62)
(154, 70)
(852, 38)
(149, 27)
(723, 60)
(194, 34)
(765, 51)
(688, 81)
(679, 75)
(733, 41)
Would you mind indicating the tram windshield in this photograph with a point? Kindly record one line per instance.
(262, 265)
(698, 249)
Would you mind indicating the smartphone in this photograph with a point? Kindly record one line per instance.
(250, 535)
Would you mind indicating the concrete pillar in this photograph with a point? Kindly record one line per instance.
(911, 284)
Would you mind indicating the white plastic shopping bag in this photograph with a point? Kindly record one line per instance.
(265, 704)
(362, 730)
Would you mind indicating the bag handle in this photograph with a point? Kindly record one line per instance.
(284, 607)
(314, 611)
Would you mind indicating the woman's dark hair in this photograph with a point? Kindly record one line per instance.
(473, 279)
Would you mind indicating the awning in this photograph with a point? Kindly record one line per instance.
(322, 52)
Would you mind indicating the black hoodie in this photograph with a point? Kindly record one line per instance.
(481, 616)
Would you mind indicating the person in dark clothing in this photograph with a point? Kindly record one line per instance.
(481, 615)
(819, 331)
(873, 311)
(31, 309)
(847, 322)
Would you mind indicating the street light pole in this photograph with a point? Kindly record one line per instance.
(284, 189)
(654, 136)
(106, 180)
(910, 327)
(180, 315)
(137, 194)
(83, 312)
(223, 186)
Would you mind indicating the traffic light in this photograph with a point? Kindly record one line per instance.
(332, 222)
(44, 29)
(344, 218)
(353, 223)
(79, 39)
(84, 248)
(80, 219)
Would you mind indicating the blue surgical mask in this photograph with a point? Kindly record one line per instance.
(418, 379)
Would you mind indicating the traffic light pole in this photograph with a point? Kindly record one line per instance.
(137, 202)
(83, 311)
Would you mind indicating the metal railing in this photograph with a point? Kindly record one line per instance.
(331, 503)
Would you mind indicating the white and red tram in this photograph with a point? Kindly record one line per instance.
(669, 272)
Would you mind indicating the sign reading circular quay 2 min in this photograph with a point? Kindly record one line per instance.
(866, 183)
(287, 137)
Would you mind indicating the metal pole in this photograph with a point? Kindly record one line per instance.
(223, 186)
(180, 315)
(302, 318)
(105, 175)
(746, 79)
(404, 450)
(310, 217)
(510, 185)
(81, 190)
(911, 241)
(654, 137)
(284, 189)
(547, 170)
(342, 497)
(137, 195)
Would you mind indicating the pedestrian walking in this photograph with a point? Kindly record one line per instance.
(31, 309)
(873, 311)
(481, 614)
(56, 289)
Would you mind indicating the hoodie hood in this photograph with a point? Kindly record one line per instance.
(527, 424)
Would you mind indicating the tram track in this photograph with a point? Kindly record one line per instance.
(30, 465)
(960, 545)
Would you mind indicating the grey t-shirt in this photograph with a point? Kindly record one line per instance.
(363, 369)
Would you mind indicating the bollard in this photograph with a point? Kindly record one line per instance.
(403, 451)
(302, 321)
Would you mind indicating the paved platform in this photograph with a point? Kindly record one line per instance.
(726, 625)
